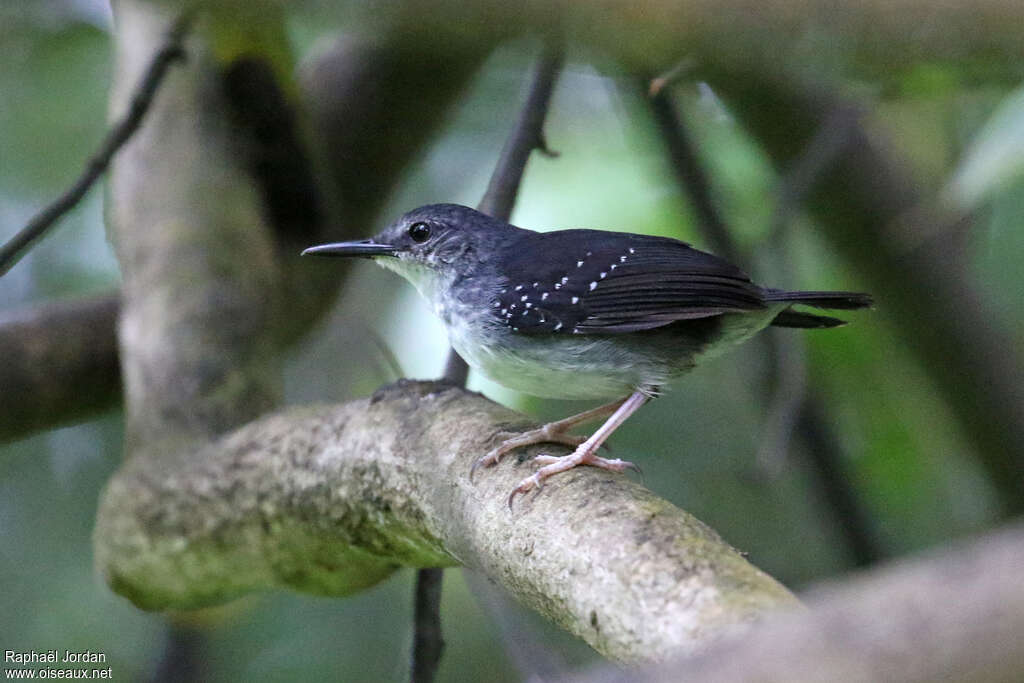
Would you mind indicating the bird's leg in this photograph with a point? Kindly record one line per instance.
(553, 432)
(585, 452)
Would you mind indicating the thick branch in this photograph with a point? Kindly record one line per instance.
(199, 276)
(332, 499)
(956, 615)
(878, 39)
(59, 363)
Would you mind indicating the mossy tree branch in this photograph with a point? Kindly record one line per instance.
(955, 614)
(332, 499)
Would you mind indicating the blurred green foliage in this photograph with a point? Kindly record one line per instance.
(905, 454)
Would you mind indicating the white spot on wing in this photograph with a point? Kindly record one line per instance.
(558, 327)
(543, 296)
(593, 286)
(604, 275)
(575, 299)
(632, 250)
(579, 264)
(523, 297)
(518, 287)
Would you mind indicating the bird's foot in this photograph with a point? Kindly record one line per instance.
(553, 432)
(583, 455)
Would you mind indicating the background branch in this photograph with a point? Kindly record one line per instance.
(953, 615)
(344, 90)
(498, 201)
(428, 638)
(333, 499)
(872, 211)
(526, 136)
(60, 364)
(169, 52)
(791, 404)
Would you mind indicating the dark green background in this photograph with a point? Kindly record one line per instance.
(906, 457)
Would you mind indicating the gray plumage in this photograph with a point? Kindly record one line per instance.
(579, 314)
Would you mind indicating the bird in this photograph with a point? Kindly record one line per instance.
(579, 314)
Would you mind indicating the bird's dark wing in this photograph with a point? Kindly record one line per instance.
(594, 282)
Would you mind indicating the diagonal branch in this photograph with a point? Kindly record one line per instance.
(169, 52)
(332, 499)
(792, 403)
(953, 615)
(870, 207)
(526, 136)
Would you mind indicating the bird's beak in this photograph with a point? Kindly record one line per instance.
(364, 248)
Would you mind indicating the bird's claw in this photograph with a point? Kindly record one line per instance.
(511, 441)
(488, 460)
(534, 481)
(636, 468)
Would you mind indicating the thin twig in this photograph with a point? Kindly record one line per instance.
(686, 164)
(428, 640)
(498, 200)
(526, 136)
(851, 515)
(662, 81)
(787, 393)
(793, 404)
(169, 52)
(182, 658)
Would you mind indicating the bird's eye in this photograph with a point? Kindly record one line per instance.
(419, 232)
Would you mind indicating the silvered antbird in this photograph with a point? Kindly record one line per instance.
(579, 314)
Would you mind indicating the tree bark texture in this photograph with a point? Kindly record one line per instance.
(60, 363)
(954, 615)
(332, 499)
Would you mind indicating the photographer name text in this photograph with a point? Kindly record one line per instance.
(53, 656)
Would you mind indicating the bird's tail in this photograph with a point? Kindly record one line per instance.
(843, 300)
(791, 318)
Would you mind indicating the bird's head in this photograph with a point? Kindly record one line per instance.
(432, 242)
